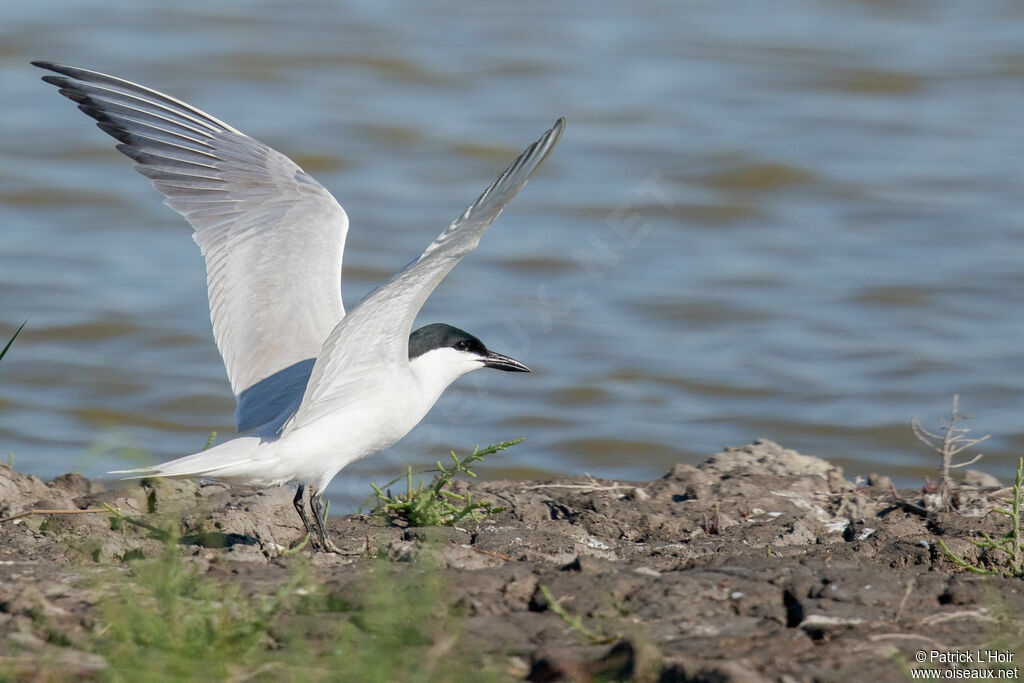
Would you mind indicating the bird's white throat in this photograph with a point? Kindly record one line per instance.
(436, 369)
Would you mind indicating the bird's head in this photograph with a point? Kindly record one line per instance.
(439, 354)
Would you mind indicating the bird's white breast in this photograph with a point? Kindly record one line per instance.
(373, 421)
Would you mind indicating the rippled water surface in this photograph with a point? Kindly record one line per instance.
(793, 220)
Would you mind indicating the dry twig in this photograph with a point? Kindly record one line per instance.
(950, 442)
(489, 552)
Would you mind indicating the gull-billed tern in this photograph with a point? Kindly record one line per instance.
(316, 389)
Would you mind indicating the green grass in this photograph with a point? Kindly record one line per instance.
(437, 505)
(162, 619)
(7, 346)
(165, 621)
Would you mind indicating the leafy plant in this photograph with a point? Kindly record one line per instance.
(437, 505)
(1009, 547)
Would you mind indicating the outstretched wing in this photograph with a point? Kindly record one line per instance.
(374, 338)
(272, 236)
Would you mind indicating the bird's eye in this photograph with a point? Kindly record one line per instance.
(462, 346)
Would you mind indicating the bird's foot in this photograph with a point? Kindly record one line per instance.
(323, 538)
(326, 545)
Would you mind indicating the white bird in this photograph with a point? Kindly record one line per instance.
(316, 389)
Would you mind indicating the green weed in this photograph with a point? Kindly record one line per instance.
(1009, 547)
(7, 346)
(3, 352)
(437, 505)
(165, 620)
(403, 630)
(574, 622)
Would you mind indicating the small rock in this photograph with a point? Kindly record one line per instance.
(637, 493)
(685, 473)
(767, 457)
(980, 479)
(878, 481)
(77, 485)
(961, 591)
(618, 664)
(823, 627)
(586, 564)
(538, 603)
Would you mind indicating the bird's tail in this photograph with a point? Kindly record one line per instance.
(228, 460)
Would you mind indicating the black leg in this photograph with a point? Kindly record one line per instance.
(326, 544)
(300, 506)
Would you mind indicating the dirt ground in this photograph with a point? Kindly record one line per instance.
(759, 564)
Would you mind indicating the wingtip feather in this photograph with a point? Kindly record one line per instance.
(57, 67)
(550, 140)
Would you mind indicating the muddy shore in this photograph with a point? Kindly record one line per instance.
(758, 564)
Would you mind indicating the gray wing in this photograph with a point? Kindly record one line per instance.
(272, 236)
(374, 338)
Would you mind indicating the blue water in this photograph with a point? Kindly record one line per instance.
(793, 220)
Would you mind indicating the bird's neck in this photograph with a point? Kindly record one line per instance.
(435, 370)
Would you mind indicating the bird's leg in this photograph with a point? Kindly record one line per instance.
(300, 506)
(326, 544)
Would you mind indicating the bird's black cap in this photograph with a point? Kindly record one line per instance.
(441, 336)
